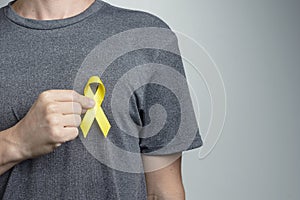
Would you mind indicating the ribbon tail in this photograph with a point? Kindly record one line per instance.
(87, 122)
(103, 122)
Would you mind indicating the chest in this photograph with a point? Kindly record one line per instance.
(30, 66)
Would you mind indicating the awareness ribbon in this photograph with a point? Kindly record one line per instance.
(95, 112)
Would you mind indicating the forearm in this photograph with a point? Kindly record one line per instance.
(9, 154)
(164, 183)
(166, 192)
(165, 196)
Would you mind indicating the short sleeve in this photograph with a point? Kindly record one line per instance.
(165, 108)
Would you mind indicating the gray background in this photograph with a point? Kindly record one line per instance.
(256, 46)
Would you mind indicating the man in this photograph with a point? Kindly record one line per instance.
(43, 44)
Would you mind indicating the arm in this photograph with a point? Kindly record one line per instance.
(164, 183)
(52, 120)
(9, 154)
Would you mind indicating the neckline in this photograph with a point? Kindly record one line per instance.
(50, 24)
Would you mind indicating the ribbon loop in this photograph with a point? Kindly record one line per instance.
(95, 112)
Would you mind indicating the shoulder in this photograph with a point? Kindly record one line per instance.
(2, 10)
(134, 18)
(3, 22)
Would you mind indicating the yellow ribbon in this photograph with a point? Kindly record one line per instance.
(95, 112)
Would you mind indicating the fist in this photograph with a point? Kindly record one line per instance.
(52, 120)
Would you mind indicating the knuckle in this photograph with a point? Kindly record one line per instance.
(51, 108)
(44, 95)
(54, 134)
(77, 120)
(71, 135)
(76, 107)
(75, 132)
(52, 120)
(73, 94)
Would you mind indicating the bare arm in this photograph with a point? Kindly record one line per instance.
(9, 154)
(164, 183)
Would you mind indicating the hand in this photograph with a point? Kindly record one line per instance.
(52, 120)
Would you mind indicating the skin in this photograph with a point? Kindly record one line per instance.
(50, 9)
(163, 177)
(54, 117)
(51, 121)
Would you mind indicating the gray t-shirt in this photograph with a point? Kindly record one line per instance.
(40, 55)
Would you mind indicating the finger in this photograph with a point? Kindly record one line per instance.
(69, 133)
(59, 95)
(58, 145)
(71, 120)
(67, 96)
(85, 102)
(69, 108)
